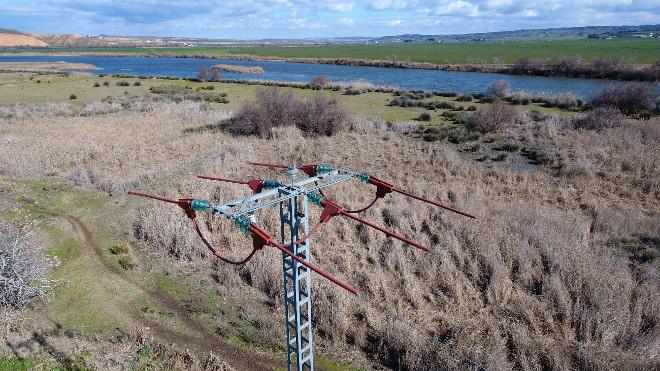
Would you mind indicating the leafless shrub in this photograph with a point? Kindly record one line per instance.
(366, 125)
(564, 100)
(492, 118)
(25, 272)
(599, 118)
(276, 108)
(326, 116)
(499, 88)
(320, 82)
(630, 98)
(11, 112)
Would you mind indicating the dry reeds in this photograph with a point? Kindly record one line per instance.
(605, 185)
(237, 68)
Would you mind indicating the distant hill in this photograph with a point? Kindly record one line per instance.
(535, 34)
(18, 39)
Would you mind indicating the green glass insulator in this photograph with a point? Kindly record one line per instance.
(200, 205)
(315, 199)
(270, 183)
(323, 168)
(243, 224)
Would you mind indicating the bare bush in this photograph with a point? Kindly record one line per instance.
(276, 108)
(492, 118)
(204, 75)
(499, 88)
(599, 118)
(320, 82)
(630, 98)
(24, 271)
(325, 117)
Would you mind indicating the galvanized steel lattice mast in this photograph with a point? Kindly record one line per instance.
(297, 280)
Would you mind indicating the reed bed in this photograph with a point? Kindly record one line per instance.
(606, 187)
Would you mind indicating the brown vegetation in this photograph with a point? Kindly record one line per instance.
(277, 108)
(237, 68)
(606, 185)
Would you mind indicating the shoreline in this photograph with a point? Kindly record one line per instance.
(631, 72)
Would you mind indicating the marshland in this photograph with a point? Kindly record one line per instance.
(560, 268)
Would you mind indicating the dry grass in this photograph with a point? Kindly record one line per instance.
(237, 68)
(606, 186)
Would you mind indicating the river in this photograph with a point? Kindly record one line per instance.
(462, 82)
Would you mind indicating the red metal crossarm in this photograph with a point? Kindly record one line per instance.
(331, 209)
(262, 238)
(383, 188)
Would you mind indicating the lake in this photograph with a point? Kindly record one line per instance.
(462, 82)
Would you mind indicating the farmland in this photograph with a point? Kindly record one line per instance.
(643, 51)
(143, 292)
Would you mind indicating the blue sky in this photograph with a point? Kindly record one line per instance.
(252, 19)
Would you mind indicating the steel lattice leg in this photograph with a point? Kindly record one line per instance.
(297, 286)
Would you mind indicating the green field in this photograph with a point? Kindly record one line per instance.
(635, 50)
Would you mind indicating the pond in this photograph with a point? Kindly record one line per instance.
(462, 82)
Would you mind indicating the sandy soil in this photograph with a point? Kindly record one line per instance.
(19, 40)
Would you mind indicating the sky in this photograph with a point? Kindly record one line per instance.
(296, 19)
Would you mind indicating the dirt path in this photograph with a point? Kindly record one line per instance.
(206, 341)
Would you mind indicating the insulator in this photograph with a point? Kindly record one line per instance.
(365, 177)
(315, 199)
(323, 169)
(268, 183)
(200, 205)
(243, 224)
(292, 173)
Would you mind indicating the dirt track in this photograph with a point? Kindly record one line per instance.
(207, 340)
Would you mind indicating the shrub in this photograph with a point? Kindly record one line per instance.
(275, 108)
(137, 83)
(123, 83)
(319, 82)
(203, 75)
(424, 117)
(465, 98)
(499, 88)
(96, 85)
(563, 100)
(106, 83)
(73, 96)
(631, 98)
(119, 249)
(538, 157)
(510, 147)
(324, 116)
(25, 271)
(494, 117)
(126, 262)
(598, 119)
(472, 108)
(207, 87)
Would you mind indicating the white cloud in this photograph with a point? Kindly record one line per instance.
(386, 4)
(249, 18)
(346, 22)
(457, 8)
